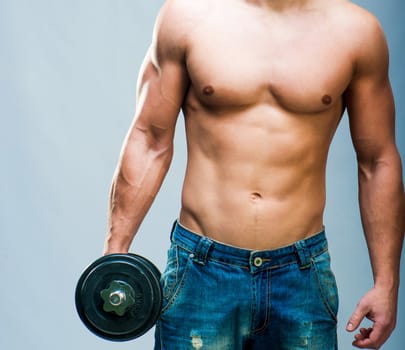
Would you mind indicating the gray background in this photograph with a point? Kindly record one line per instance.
(68, 71)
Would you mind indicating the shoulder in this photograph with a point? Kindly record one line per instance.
(353, 15)
(364, 25)
(175, 22)
(363, 34)
(173, 17)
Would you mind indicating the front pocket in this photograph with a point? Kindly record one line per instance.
(326, 283)
(173, 277)
(168, 278)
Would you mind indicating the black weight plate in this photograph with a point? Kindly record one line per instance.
(154, 277)
(136, 321)
(141, 275)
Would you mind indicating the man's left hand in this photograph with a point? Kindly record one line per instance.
(380, 307)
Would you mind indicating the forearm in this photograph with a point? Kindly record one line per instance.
(136, 182)
(382, 211)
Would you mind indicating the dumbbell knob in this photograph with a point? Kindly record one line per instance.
(118, 297)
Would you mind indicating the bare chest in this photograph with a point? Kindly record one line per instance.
(301, 67)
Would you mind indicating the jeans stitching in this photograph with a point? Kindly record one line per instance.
(324, 298)
(173, 259)
(268, 302)
(178, 287)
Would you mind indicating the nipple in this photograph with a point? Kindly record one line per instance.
(208, 90)
(326, 100)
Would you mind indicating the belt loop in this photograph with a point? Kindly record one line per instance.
(201, 250)
(304, 256)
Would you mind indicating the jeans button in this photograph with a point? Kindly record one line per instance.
(258, 261)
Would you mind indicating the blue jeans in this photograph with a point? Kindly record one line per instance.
(219, 297)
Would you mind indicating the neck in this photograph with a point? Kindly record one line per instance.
(280, 5)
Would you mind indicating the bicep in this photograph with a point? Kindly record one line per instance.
(371, 112)
(160, 94)
(151, 134)
(163, 79)
(370, 101)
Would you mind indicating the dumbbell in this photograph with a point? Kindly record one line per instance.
(118, 297)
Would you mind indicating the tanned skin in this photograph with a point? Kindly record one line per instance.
(263, 85)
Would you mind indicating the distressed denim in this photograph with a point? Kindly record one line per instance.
(219, 297)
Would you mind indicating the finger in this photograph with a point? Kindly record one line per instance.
(374, 340)
(365, 344)
(365, 332)
(356, 318)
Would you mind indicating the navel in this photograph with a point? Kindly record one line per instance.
(208, 90)
(326, 100)
(255, 196)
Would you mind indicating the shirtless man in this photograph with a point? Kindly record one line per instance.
(263, 85)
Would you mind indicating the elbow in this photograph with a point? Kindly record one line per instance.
(385, 164)
(150, 142)
(377, 155)
(156, 141)
(367, 167)
(369, 163)
(162, 149)
(160, 152)
(143, 158)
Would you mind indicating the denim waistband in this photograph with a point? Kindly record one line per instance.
(202, 249)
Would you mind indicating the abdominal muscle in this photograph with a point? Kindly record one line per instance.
(255, 178)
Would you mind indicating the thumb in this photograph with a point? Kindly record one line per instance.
(356, 318)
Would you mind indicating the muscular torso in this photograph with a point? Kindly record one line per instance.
(264, 101)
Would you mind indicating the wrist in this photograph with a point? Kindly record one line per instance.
(115, 246)
(390, 285)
